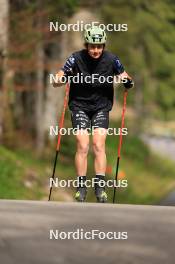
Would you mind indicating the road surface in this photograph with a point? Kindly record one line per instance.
(25, 233)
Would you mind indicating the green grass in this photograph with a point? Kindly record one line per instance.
(19, 176)
(149, 177)
(23, 175)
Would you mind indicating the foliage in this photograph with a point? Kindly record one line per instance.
(147, 49)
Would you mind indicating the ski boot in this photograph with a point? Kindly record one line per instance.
(100, 193)
(80, 195)
(81, 192)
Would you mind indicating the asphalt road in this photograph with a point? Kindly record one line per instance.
(169, 199)
(25, 230)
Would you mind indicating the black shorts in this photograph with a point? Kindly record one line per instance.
(82, 120)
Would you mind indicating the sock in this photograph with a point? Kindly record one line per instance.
(100, 177)
(81, 181)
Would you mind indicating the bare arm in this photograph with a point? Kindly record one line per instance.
(66, 70)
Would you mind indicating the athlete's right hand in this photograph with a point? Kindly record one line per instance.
(69, 65)
(60, 80)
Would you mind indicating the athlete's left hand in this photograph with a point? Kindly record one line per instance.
(129, 83)
(126, 80)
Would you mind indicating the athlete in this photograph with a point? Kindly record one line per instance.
(90, 100)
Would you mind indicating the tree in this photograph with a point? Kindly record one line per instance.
(147, 48)
(5, 111)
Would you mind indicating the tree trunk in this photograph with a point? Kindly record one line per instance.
(6, 128)
(39, 104)
(54, 96)
(39, 98)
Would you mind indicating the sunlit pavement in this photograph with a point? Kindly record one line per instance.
(25, 228)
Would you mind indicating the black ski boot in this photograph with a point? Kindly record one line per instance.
(100, 193)
(81, 192)
(80, 195)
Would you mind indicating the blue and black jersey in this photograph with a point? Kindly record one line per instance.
(96, 95)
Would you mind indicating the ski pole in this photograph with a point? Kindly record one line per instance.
(61, 122)
(120, 141)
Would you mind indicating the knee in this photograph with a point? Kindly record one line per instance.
(83, 148)
(98, 147)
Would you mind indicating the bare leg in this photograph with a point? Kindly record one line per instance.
(99, 139)
(81, 153)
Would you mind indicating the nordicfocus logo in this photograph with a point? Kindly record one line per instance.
(81, 26)
(89, 183)
(81, 234)
(80, 78)
(54, 131)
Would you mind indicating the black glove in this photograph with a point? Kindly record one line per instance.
(69, 65)
(129, 83)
